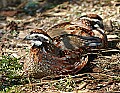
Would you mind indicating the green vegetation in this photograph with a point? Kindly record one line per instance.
(67, 84)
(10, 74)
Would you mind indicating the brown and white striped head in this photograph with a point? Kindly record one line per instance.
(38, 37)
(96, 20)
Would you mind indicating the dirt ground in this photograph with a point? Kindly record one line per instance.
(102, 72)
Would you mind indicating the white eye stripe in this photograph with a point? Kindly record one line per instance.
(92, 19)
(39, 35)
(96, 20)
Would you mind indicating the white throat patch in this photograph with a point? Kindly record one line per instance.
(37, 43)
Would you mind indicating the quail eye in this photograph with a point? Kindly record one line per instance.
(36, 36)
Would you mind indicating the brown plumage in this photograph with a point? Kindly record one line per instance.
(63, 48)
(53, 57)
(94, 23)
(87, 25)
(68, 28)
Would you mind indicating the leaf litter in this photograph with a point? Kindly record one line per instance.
(101, 74)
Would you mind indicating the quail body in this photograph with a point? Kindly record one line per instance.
(89, 25)
(50, 56)
(63, 48)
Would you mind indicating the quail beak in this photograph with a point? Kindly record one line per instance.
(27, 37)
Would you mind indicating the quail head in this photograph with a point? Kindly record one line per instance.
(94, 23)
(54, 56)
(95, 20)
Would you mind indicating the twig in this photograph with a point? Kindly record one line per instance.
(82, 85)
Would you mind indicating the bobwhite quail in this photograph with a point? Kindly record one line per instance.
(87, 25)
(95, 23)
(55, 56)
